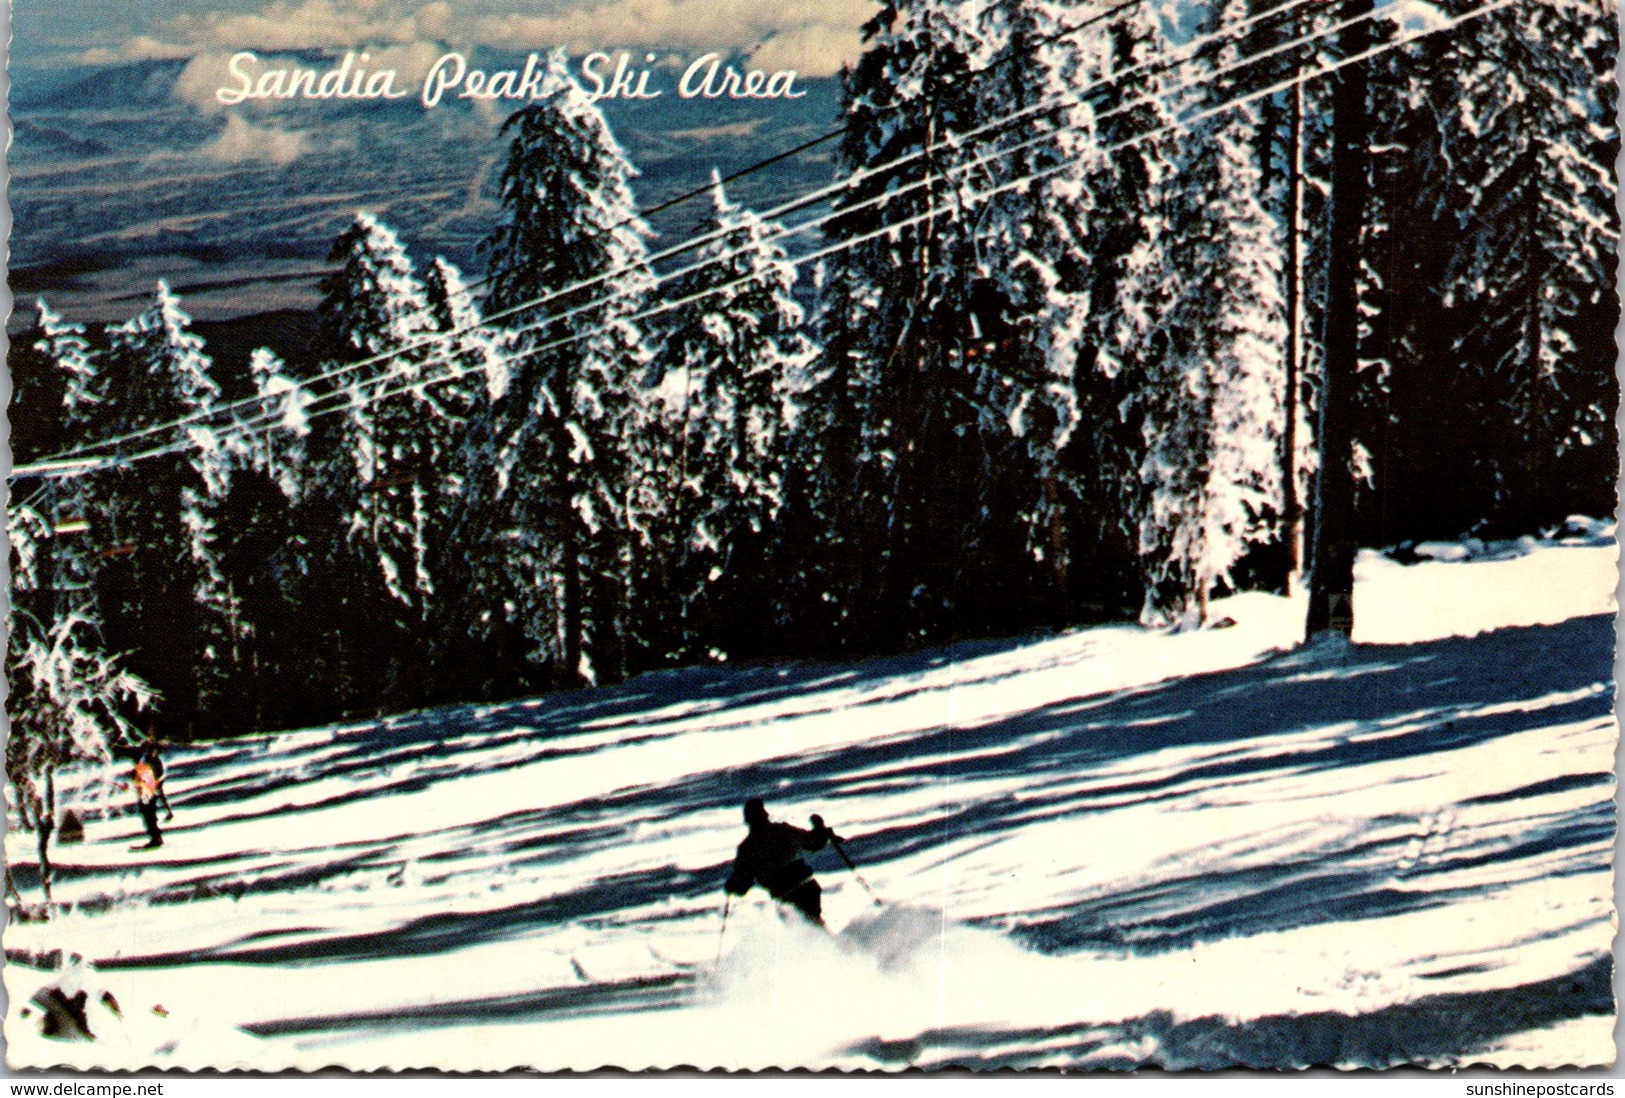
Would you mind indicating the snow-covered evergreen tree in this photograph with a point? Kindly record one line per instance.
(276, 437)
(156, 528)
(1131, 283)
(57, 379)
(381, 459)
(466, 346)
(1489, 301)
(1209, 400)
(69, 701)
(900, 480)
(554, 555)
(1031, 295)
(266, 555)
(54, 386)
(471, 357)
(831, 479)
(733, 361)
(373, 304)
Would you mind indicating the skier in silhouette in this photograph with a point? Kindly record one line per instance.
(771, 857)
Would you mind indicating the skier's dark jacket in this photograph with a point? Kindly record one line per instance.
(771, 856)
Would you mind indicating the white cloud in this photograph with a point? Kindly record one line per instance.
(434, 20)
(203, 75)
(818, 34)
(139, 48)
(243, 141)
(818, 49)
(312, 24)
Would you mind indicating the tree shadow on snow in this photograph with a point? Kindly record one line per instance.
(1296, 715)
(1437, 1030)
(1293, 715)
(424, 747)
(662, 992)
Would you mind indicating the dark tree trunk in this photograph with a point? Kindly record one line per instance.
(573, 616)
(45, 824)
(1291, 505)
(1331, 565)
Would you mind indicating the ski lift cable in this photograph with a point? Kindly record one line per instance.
(1162, 62)
(54, 465)
(641, 215)
(271, 417)
(988, 129)
(1171, 127)
(832, 135)
(355, 400)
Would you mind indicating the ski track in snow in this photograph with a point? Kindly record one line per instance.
(1108, 848)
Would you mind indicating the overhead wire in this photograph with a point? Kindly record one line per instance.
(522, 307)
(892, 194)
(786, 154)
(65, 463)
(961, 169)
(643, 214)
(835, 248)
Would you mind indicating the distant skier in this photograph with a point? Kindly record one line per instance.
(145, 784)
(150, 755)
(771, 857)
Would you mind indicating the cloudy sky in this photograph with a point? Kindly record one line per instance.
(811, 36)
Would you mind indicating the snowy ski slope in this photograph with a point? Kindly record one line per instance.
(1108, 848)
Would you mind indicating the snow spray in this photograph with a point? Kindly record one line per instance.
(788, 992)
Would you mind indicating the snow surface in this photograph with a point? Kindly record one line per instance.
(1103, 849)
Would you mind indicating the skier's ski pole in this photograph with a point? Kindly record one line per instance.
(834, 841)
(726, 904)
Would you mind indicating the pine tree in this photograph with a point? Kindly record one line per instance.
(58, 384)
(161, 589)
(904, 493)
(479, 373)
(1488, 308)
(1030, 296)
(69, 696)
(279, 430)
(1211, 399)
(733, 361)
(68, 701)
(557, 545)
(466, 344)
(832, 478)
(381, 457)
(264, 559)
(1120, 469)
(54, 385)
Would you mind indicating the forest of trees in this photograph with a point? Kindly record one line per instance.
(1060, 351)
